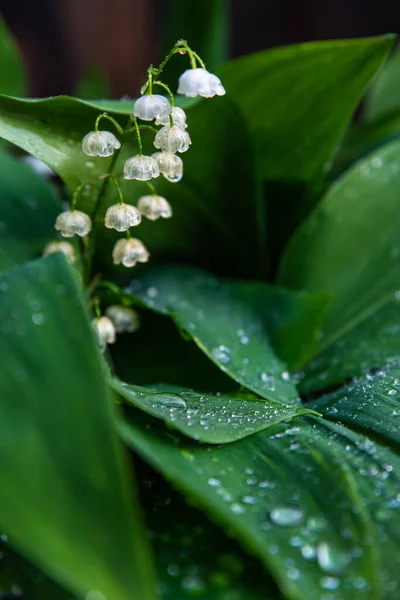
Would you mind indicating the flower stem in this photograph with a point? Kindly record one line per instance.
(170, 94)
(113, 121)
(117, 187)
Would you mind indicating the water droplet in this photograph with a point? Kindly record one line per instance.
(392, 392)
(214, 482)
(171, 401)
(173, 570)
(237, 508)
(329, 558)
(152, 292)
(38, 318)
(286, 516)
(285, 376)
(193, 584)
(244, 339)
(221, 354)
(308, 552)
(330, 583)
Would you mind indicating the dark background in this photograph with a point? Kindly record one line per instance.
(60, 39)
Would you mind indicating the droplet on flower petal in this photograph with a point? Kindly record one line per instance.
(122, 216)
(105, 331)
(170, 165)
(151, 106)
(141, 168)
(154, 207)
(129, 252)
(100, 143)
(199, 82)
(172, 139)
(178, 115)
(125, 319)
(73, 222)
(58, 246)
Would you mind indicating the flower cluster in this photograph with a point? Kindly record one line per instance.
(117, 319)
(171, 139)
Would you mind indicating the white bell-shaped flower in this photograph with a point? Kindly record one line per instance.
(153, 207)
(125, 319)
(129, 252)
(142, 168)
(178, 115)
(170, 165)
(151, 106)
(199, 82)
(100, 143)
(73, 222)
(172, 139)
(105, 331)
(122, 216)
(58, 246)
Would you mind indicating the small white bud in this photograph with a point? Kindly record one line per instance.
(73, 222)
(64, 247)
(122, 216)
(124, 318)
(129, 252)
(199, 82)
(142, 168)
(172, 139)
(154, 207)
(178, 115)
(104, 330)
(100, 143)
(151, 106)
(170, 165)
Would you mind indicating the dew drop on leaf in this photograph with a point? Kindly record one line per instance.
(287, 516)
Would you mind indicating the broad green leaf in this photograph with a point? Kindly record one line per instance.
(12, 75)
(315, 501)
(363, 138)
(226, 326)
(206, 417)
(206, 29)
(28, 209)
(65, 500)
(369, 345)
(384, 94)
(349, 246)
(194, 558)
(371, 402)
(299, 99)
(204, 228)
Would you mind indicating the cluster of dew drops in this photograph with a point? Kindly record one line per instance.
(171, 138)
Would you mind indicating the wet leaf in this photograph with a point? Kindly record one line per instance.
(317, 533)
(384, 94)
(349, 246)
(65, 499)
(28, 209)
(371, 402)
(208, 418)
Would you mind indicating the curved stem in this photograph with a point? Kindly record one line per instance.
(139, 137)
(76, 194)
(117, 186)
(113, 121)
(151, 187)
(167, 89)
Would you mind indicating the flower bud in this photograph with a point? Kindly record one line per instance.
(73, 222)
(142, 168)
(151, 106)
(170, 165)
(199, 82)
(100, 143)
(122, 216)
(129, 252)
(154, 207)
(123, 318)
(172, 139)
(178, 115)
(104, 330)
(64, 247)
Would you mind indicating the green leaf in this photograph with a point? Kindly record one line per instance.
(194, 558)
(231, 324)
(28, 210)
(372, 343)
(349, 245)
(12, 75)
(317, 533)
(65, 499)
(206, 29)
(204, 229)
(299, 99)
(384, 94)
(206, 417)
(371, 403)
